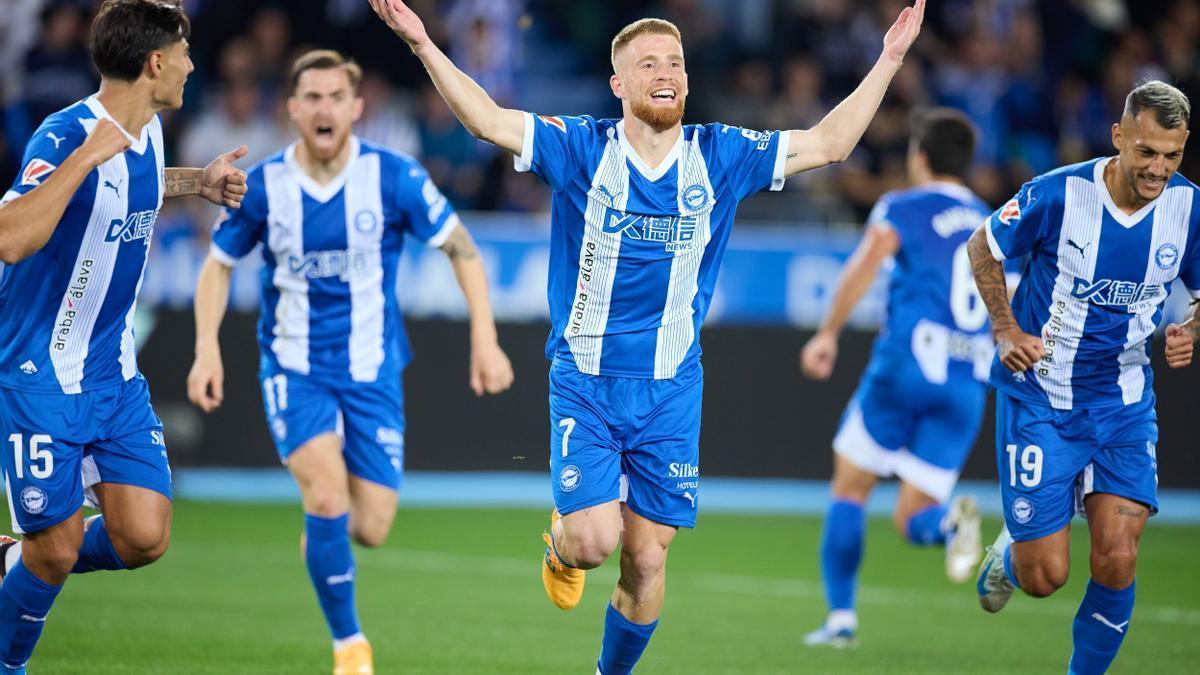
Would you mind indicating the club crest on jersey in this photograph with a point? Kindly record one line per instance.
(555, 122)
(1113, 293)
(694, 197)
(1166, 256)
(1010, 212)
(674, 232)
(33, 500)
(35, 171)
(569, 478)
(137, 225)
(1022, 510)
(365, 221)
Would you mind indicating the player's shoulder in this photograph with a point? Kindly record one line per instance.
(723, 133)
(65, 124)
(1056, 179)
(1181, 181)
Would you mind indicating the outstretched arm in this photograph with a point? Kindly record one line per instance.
(834, 137)
(491, 371)
(820, 353)
(220, 182)
(1018, 350)
(471, 104)
(206, 381)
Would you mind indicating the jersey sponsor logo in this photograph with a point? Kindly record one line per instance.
(761, 139)
(137, 225)
(682, 470)
(587, 266)
(75, 293)
(156, 438)
(1022, 510)
(33, 500)
(555, 122)
(35, 171)
(1166, 256)
(674, 232)
(1113, 293)
(57, 141)
(569, 478)
(1010, 212)
(344, 265)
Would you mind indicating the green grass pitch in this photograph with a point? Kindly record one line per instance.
(458, 591)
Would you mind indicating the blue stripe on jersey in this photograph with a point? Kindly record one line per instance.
(329, 305)
(633, 249)
(75, 297)
(1096, 282)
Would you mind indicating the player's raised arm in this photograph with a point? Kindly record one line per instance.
(27, 221)
(206, 381)
(491, 370)
(820, 353)
(834, 137)
(471, 104)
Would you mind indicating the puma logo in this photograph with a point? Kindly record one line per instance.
(1120, 628)
(56, 139)
(1082, 249)
(115, 188)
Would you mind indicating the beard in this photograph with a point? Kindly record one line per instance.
(659, 119)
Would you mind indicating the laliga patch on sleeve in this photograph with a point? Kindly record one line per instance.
(555, 122)
(35, 171)
(1010, 212)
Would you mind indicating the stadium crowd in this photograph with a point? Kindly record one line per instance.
(1042, 81)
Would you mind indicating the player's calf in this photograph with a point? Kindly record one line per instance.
(1040, 576)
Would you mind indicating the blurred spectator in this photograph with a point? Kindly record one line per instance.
(58, 70)
(483, 43)
(235, 119)
(385, 120)
(455, 160)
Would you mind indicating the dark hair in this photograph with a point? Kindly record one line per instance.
(325, 59)
(947, 137)
(1170, 106)
(124, 33)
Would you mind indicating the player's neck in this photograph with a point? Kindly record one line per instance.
(651, 146)
(322, 171)
(129, 106)
(1123, 195)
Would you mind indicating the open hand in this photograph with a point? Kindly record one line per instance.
(402, 20)
(904, 32)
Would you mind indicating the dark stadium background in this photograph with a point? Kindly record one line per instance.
(1042, 80)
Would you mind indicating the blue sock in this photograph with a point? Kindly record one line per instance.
(1008, 567)
(925, 526)
(1100, 627)
(623, 643)
(331, 568)
(841, 552)
(25, 601)
(97, 552)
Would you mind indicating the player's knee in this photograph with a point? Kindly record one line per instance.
(140, 546)
(326, 502)
(1042, 580)
(1113, 564)
(644, 563)
(591, 549)
(52, 562)
(370, 536)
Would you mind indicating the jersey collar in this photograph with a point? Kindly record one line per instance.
(138, 143)
(1127, 220)
(321, 193)
(663, 167)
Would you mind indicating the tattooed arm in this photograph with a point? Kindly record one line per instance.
(491, 371)
(182, 182)
(220, 182)
(1018, 350)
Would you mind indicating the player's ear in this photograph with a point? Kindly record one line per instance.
(293, 107)
(1116, 135)
(618, 88)
(358, 107)
(155, 64)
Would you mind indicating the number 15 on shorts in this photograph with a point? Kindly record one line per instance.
(41, 462)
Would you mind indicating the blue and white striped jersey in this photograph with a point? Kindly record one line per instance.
(329, 284)
(66, 312)
(634, 251)
(935, 315)
(1095, 284)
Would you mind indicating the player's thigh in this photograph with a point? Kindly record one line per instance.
(875, 426)
(373, 426)
(43, 438)
(297, 409)
(1040, 454)
(320, 471)
(850, 481)
(1126, 464)
(943, 434)
(372, 511)
(662, 459)
(137, 519)
(585, 464)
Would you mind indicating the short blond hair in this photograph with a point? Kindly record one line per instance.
(642, 27)
(325, 59)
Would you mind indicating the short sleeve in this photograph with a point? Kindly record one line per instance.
(424, 210)
(1189, 270)
(50, 145)
(238, 231)
(1019, 227)
(555, 147)
(753, 160)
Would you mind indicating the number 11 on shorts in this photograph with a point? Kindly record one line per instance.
(569, 423)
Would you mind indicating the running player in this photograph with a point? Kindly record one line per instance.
(642, 210)
(1075, 422)
(75, 229)
(331, 212)
(919, 405)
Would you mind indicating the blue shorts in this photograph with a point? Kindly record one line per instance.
(629, 439)
(368, 416)
(1050, 460)
(905, 426)
(67, 443)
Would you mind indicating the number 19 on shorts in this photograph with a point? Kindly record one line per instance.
(41, 462)
(1030, 465)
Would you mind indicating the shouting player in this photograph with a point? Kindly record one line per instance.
(331, 212)
(642, 210)
(1075, 421)
(919, 405)
(75, 229)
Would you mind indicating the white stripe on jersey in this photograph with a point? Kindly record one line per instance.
(128, 344)
(1082, 220)
(677, 332)
(90, 276)
(1170, 228)
(364, 209)
(598, 254)
(285, 239)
